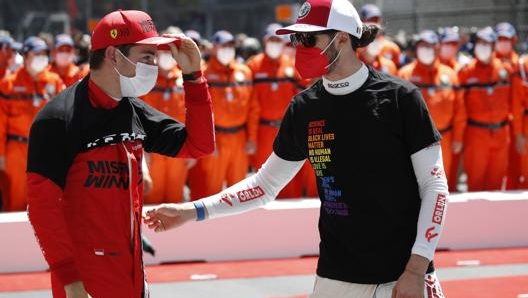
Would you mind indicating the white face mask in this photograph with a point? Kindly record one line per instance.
(374, 48)
(166, 61)
(274, 49)
(483, 52)
(225, 55)
(503, 47)
(63, 59)
(39, 63)
(425, 55)
(447, 51)
(141, 83)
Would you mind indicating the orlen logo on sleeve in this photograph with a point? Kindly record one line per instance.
(439, 209)
(250, 194)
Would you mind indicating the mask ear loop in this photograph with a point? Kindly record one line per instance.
(126, 58)
(338, 53)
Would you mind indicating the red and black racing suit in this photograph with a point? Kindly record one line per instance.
(85, 188)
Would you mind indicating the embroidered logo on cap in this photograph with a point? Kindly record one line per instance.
(305, 9)
(113, 33)
(147, 26)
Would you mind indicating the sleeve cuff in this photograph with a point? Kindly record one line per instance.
(66, 272)
(197, 93)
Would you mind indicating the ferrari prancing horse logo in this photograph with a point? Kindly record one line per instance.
(113, 33)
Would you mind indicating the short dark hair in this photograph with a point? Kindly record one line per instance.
(97, 57)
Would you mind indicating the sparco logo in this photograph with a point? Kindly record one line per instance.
(115, 139)
(107, 174)
(338, 85)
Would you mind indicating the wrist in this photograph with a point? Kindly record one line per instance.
(413, 272)
(417, 265)
(193, 76)
(200, 210)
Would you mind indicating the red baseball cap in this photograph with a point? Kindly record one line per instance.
(320, 15)
(126, 27)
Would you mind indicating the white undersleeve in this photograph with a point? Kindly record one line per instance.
(432, 183)
(254, 191)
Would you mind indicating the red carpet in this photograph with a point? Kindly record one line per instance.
(503, 287)
(481, 288)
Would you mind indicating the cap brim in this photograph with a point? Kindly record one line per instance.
(449, 39)
(64, 44)
(17, 46)
(158, 40)
(38, 49)
(295, 28)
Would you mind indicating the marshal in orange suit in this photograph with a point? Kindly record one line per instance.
(168, 174)
(23, 94)
(236, 115)
(275, 83)
(487, 94)
(438, 83)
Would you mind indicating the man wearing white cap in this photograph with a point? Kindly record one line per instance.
(376, 155)
(63, 62)
(505, 44)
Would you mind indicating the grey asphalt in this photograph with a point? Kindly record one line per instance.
(283, 286)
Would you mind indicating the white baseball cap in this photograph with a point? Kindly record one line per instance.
(320, 15)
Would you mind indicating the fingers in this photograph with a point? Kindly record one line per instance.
(160, 227)
(155, 224)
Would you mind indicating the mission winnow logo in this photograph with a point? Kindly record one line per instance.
(107, 174)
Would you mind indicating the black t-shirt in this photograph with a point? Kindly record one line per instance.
(360, 146)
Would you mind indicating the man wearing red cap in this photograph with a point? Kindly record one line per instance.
(85, 179)
(377, 159)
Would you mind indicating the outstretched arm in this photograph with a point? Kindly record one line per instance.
(248, 194)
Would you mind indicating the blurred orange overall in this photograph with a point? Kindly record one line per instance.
(21, 98)
(487, 95)
(236, 115)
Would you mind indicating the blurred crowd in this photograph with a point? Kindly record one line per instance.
(473, 80)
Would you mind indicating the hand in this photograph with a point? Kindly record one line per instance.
(190, 162)
(187, 55)
(76, 290)
(411, 283)
(251, 147)
(168, 216)
(457, 147)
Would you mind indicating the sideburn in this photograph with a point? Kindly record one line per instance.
(333, 56)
